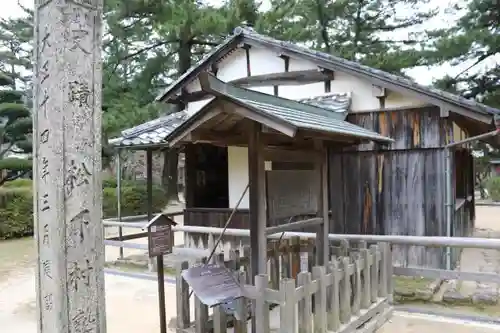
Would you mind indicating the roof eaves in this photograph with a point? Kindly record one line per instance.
(218, 52)
(250, 36)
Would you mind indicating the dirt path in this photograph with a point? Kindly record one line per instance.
(132, 304)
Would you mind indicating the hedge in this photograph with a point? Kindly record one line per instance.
(493, 186)
(16, 205)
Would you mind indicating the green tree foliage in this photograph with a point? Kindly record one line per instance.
(473, 44)
(15, 133)
(361, 30)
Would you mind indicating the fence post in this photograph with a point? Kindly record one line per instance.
(200, 311)
(219, 315)
(334, 315)
(240, 326)
(295, 256)
(384, 268)
(261, 306)
(356, 304)
(344, 248)
(320, 300)
(390, 277)
(275, 265)
(285, 259)
(367, 264)
(374, 270)
(345, 292)
(305, 304)
(182, 296)
(288, 318)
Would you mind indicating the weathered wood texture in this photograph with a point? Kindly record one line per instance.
(392, 193)
(400, 190)
(67, 166)
(411, 129)
(329, 298)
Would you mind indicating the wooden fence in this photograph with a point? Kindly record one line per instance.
(352, 292)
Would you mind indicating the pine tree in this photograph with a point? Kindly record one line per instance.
(356, 30)
(15, 132)
(473, 44)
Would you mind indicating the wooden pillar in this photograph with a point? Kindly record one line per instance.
(67, 166)
(190, 175)
(322, 244)
(257, 182)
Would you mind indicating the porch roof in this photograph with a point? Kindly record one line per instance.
(154, 132)
(279, 114)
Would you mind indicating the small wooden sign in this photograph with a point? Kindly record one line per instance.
(213, 284)
(160, 235)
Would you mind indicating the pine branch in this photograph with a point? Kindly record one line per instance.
(477, 62)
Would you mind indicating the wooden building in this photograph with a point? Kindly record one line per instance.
(398, 188)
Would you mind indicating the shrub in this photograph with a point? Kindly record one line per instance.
(16, 205)
(493, 186)
(16, 212)
(20, 182)
(134, 200)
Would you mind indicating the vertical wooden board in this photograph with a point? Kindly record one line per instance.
(380, 190)
(353, 213)
(429, 202)
(416, 197)
(336, 189)
(398, 199)
(367, 193)
(432, 128)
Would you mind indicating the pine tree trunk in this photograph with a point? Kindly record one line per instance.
(171, 156)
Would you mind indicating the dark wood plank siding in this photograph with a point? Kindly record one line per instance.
(393, 193)
(411, 129)
(397, 191)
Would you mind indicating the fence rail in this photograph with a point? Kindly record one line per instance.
(432, 241)
(350, 291)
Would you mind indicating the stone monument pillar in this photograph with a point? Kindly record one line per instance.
(67, 166)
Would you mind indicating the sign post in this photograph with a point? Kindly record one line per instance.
(67, 166)
(160, 243)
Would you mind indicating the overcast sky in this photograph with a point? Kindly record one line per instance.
(425, 76)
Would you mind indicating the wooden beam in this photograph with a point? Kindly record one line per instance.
(378, 91)
(283, 155)
(285, 78)
(195, 124)
(257, 183)
(322, 243)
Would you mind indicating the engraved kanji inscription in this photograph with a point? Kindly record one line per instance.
(44, 72)
(48, 302)
(45, 41)
(82, 322)
(45, 237)
(76, 228)
(79, 274)
(44, 136)
(79, 93)
(77, 175)
(44, 99)
(45, 167)
(77, 36)
(45, 202)
(47, 268)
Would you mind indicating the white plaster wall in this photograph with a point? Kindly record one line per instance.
(237, 164)
(263, 61)
(237, 160)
